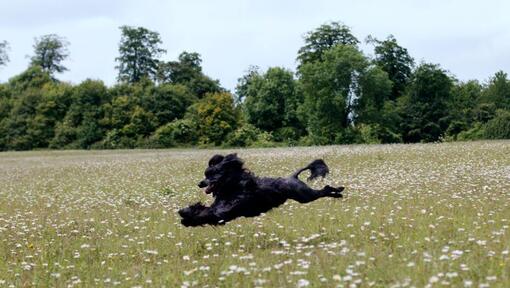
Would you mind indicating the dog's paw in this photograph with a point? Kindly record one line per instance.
(336, 195)
(336, 192)
(191, 210)
(190, 222)
(185, 212)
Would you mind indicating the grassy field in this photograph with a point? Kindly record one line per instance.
(414, 215)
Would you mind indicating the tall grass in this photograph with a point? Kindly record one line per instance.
(414, 215)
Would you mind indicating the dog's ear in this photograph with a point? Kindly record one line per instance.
(232, 161)
(215, 159)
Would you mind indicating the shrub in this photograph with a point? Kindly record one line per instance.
(243, 136)
(176, 133)
(475, 133)
(499, 126)
(264, 139)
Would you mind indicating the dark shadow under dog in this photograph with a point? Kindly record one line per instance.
(238, 192)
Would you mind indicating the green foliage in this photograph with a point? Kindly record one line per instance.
(424, 109)
(139, 52)
(215, 117)
(477, 132)
(271, 99)
(394, 60)
(243, 136)
(30, 105)
(4, 57)
(375, 91)
(32, 78)
(187, 71)
(81, 126)
(330, 88)
(340, 96)
(167, 102)
(464, 107)
(322, 39)
(49, 53)
(180, 132)
(498, 91)
(377, 134)
(499, 126)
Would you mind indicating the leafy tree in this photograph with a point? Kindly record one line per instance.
(394, 60)
(139, 52)
(499, 126)
(244, 83)
(425, 109)
(331, 88)
(243, 136)
(272, 100)
(498, 91)
(180, 132)
(4, 58)
(81, 126)
(23, 123)
(167, 102)
(375, 90)
(375, 114)
(322, 39)
(188, 71)
(463, 106)
(215, 117)
(32, 78)
(49, 53)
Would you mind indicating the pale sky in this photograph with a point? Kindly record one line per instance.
(469, 38)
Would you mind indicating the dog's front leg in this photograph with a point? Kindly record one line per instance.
(198, 214)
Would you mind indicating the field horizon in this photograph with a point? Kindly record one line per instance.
(414, 215)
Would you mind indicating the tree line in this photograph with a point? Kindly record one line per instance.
(337, 95)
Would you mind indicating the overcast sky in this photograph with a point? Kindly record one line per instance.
(469, 38)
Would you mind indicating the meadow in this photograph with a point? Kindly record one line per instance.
(424, 215)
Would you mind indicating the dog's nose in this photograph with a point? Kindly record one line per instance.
(204, 183)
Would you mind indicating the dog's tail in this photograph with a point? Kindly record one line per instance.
(317, 168)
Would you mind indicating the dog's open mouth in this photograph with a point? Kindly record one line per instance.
(210, 188)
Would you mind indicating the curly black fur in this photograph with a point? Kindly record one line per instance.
(238, 192)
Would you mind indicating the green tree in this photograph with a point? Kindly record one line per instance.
(375, 90)
(181, 132)
(498, 91)
(139, 52)
(499, 126)
(215, 117)
(23, 124)
(188, 72)
(394, 60)
(322, 39)
(271, 99)
(81, 127)
(425, 108)
(4, 57)
(463, 106)
(375, 113)
(244, 83)
(32, 78)
(49, 53)
(167, 102)
(331, 88)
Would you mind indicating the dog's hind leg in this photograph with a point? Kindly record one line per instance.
(306, 194)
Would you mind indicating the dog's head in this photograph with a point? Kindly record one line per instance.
(222, 173)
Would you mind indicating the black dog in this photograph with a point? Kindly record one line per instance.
(238, 192)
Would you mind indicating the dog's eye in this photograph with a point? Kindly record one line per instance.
(209, 173)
